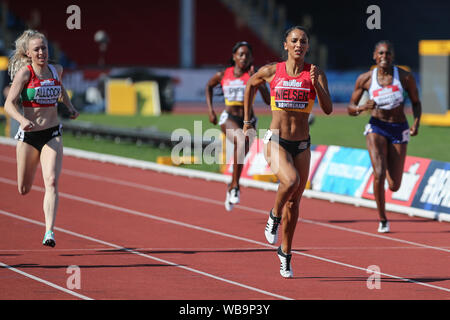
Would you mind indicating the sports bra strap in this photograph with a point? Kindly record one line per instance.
(31, 70)
(54, 72)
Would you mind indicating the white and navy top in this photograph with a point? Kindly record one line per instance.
(387, 97)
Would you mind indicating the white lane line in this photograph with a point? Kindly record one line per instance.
(48, 283)
(187, 225)
(54, 249)
(220, 203)
(202, 249)
(245, 182)
(7, 159)
(327, 225)
(112, 245)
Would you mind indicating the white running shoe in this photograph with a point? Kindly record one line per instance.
(49, 239)
(228, 205)
(285, 266)
(383, 227)
(271, 231)
(235, 195)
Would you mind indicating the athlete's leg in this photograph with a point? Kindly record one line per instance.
(377, 146)
(395, 164)
(291, 207)
(27, 162)
(51, 163)
(282, 165)
(235, 135)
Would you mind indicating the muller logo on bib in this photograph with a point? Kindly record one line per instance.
(47, 82)
(292, 83)
(237, 82)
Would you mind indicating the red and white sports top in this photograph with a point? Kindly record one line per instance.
(233, 88)
(387, 97)
(41, 92)
(292, 93)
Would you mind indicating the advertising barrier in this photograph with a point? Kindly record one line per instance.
(425, 189)
(348, 172)
(256, 166)
(433, 193)
(413, 173)
(343, 171)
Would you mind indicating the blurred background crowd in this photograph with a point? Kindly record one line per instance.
(181, 43)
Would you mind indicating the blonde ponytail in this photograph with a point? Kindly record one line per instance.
(19, 57)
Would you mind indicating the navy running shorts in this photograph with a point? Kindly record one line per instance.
(394, 132)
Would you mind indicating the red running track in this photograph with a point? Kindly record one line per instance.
(137, 234)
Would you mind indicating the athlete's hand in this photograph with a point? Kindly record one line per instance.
(370, 105)
(414, 130)
(250, 135)
(251, 71)
(74, 114)
(27, 125)
(247, 127)
(314, 74)
(213, 117)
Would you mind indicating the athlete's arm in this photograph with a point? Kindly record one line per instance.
(265, 93)
(12, 103)
(265, 74)
(214, 81)
(353, 109)
(413, 94)
(65, 97)
(320, 83)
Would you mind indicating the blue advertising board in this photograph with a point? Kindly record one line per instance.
(343, 171)
(433, 193)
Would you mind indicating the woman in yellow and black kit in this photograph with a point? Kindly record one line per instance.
(233, 81)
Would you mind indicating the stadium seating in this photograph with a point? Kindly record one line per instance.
(218, 29)
(143, 33)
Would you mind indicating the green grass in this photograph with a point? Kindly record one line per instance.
(339, 129)
(126, 149)
(165, 122)
(343, 130)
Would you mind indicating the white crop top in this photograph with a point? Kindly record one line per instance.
(387, 97)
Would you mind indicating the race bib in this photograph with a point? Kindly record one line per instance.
(388, 97)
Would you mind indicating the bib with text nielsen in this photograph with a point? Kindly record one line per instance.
(293, 94)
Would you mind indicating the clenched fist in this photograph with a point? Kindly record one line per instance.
(314, 74)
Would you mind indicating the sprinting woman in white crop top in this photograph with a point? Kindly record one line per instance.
(387, 133)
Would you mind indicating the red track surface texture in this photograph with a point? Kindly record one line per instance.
(138, 234)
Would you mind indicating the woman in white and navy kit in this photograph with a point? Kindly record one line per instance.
(233, 81)
(387, 133)
(32, 101)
